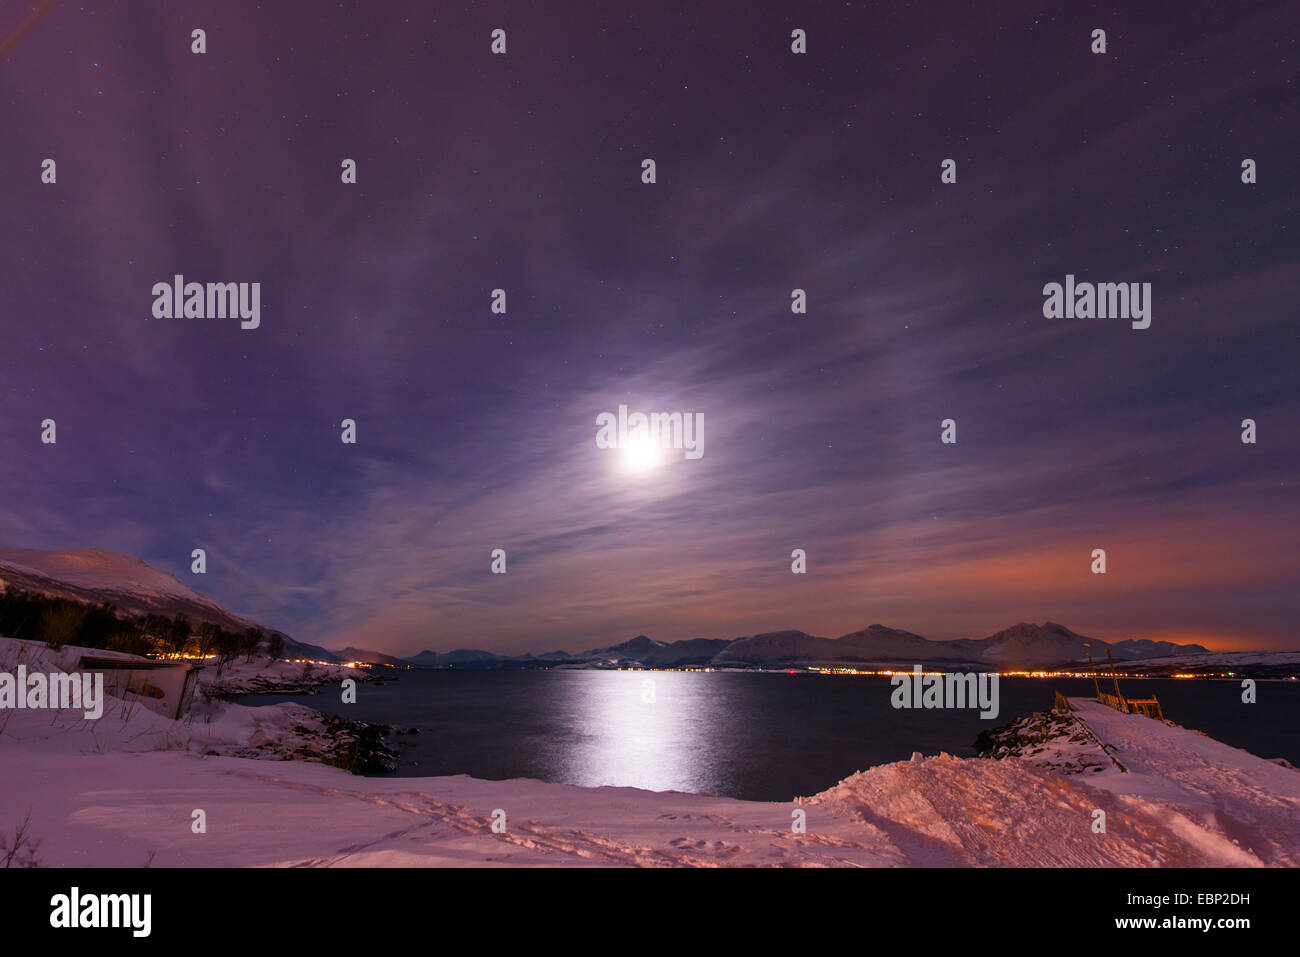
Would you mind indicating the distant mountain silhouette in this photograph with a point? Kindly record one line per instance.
(1023, 645)
(97, 576)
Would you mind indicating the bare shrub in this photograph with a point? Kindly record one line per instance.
(20, 850)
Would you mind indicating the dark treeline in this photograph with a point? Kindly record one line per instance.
(61, 621)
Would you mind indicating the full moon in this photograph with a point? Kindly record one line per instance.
(640, 455)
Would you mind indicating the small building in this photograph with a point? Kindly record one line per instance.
(166, 687)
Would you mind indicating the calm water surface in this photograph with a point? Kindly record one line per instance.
(759, 736)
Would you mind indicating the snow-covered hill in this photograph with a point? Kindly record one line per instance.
(1246, 664)
(134, 587)
(104, 577)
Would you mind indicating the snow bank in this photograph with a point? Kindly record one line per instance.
(280, 732)
(265, 675)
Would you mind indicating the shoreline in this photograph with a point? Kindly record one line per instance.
(1169, 808)
(123, 791)
(421, 757)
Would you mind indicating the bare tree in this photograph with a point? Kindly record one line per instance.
(252, 641)
(21, 850)
(179, 635)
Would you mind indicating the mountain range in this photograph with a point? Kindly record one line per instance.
(1023, 645)
(136, 588)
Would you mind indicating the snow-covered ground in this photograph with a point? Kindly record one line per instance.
(1285, 663)
(122, 792)
(264, 674)
(1172, 797)
(212, 726)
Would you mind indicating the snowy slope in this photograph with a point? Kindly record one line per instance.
(1027, 644)
(135, 587)
(95, 575)
(1280, 664)
(1231, 801)
(1172, 797)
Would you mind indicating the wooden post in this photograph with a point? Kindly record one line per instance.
(1115, 678)
(1093, 668)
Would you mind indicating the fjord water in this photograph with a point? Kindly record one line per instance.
(759, 736)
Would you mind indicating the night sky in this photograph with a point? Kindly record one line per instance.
(775, 171)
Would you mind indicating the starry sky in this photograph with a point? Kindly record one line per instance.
(775, 171)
